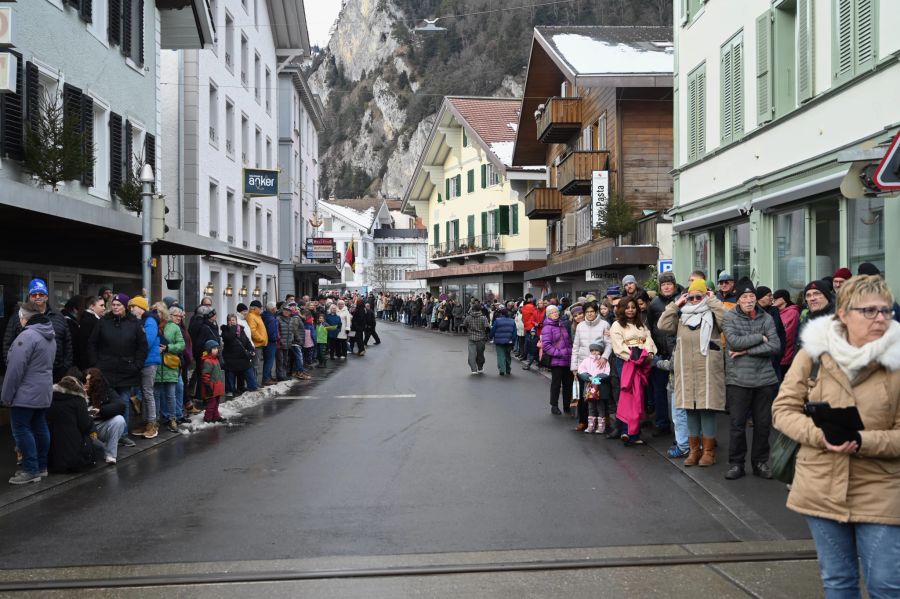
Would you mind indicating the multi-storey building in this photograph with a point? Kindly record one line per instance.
(352, 222)
(400, 248)
(597, 100)
(480, 242)
(779, 107)
(221, 117)
(100, 61)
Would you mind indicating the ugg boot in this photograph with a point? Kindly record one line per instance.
(693, 457)
(601, 425)
(592, 424)
(709, 451)
(150, 431)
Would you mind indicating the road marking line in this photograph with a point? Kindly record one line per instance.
(373, 396)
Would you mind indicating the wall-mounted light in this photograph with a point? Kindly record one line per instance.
(229, 290)
(257, 292)
(242, 292)
(209, 290)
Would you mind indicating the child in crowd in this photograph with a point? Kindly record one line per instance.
(322, 340)
(213, 381)
(309, 338)
(598, 389)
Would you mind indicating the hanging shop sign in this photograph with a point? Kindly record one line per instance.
(260, 182)
(599, 196)
(8, 68)
(7, 32)
(320, 248)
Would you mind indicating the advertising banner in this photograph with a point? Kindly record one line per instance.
(599, 196)
(260, 182)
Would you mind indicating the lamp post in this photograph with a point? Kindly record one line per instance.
(147, 181)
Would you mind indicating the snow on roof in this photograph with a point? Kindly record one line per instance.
(513, 126)
(362, 219)
(590, 50)
(503, 150)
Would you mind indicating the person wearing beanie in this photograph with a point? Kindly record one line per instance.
(819, 298)
(789, 314)
(591, 330)
(727, 293)
(141, 310)
(839, 277)
(503, 334)
(212, 381)
(695, 319)
(751, 381)
(630, 286)
(613, 291)
(669, 290)
(593, 373)
(258, 335)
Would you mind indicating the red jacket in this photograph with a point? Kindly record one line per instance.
(528, 316)
(212, 377)
(790, 318)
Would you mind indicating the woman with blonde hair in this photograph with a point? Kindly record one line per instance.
(171, 346)
(847, 480)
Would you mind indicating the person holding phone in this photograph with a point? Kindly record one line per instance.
(847, 482)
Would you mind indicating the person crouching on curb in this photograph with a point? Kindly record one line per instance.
(322, 331)
(212, 381)
(594, 371)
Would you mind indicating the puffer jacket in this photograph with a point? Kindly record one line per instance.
(271, 323)
(586, 333)
(172, 338)
(336, 321)
(555, 342)
(29, 366)
(744, 333)
(860, 487)
(699, 379)
(64, 356)
(503, 330)
(151, 330)
(118, 347)
(257, 329)
(285, 331)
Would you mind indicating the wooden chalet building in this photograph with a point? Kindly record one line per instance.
(598, 99)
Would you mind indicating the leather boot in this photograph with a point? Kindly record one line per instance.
(709, 451)
(694, 452)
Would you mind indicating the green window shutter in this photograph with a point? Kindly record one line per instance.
(470, 180)
(764, 101)
(458, 185)
(515, 219)
(842, 40)
(496, 212)
(448, 233)
(465, 138)
(439, 199)
(484, 228)
(726, 95)
(805, 52)
(676, 120)
(701, 111)
(692, 118)
(864, 45)
(737, 76)
(470, 227)
(483, 176)
(503, 223)
(437, 235)
(447, 185)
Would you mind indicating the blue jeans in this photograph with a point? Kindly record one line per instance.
(298, 358)
(29, 429)
(842, 546)
(124, 394)
(179, 398)
(679, 422)
(268, 361)
(166, 395)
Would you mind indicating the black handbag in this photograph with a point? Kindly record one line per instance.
(784, 449)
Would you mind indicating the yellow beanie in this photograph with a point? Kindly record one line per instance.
(140, 302)
(697, 285)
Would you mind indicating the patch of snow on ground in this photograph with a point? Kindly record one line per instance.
(589, 55)
(234, 407)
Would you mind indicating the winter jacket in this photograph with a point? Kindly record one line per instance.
(528, 317)
(344, 329)
(586, 333)
(358, 323)
(286, 329)
(174, 340)
(236, 349)
(624, 338)
(782, 337)
(309, 334)
(89, 320)
(63, 358)
(29, 366)
(322, 332)
(807, 317)
(591, 366)
(745, 333)
(337, 322)
(71, 448)
(203, 333)
(151, 330)
(371, 321)
(860, 487)
(245, 327)
(257, 328)
(503, 330)
(556, 343)
(211, 376)
(699, 379)
(111, 406)
(118, 347)
(476, 325)
(790, 318)
(520, 325)
(665, 342)
(271, 327)
(187, 356)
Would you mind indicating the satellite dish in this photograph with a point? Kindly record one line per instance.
(853, 186)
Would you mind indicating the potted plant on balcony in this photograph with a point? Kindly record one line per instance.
(56, 147)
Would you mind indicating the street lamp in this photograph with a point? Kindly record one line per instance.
(209, 290)
(242, 291)
(256, 292)
(147, 181)
(229, 290)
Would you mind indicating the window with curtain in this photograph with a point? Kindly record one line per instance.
(740, 250)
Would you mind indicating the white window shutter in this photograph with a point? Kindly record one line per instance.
(570, 230)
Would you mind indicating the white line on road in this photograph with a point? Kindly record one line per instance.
(400, 396)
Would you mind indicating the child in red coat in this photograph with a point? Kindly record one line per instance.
(213, 381)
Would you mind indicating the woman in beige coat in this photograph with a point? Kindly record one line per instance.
(849, 490)
(698, 366)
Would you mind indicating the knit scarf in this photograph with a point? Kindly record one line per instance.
(694, 315)
(852, 359)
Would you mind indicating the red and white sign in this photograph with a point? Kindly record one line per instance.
(887, 175)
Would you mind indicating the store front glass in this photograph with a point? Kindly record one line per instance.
(740, 250)
(491, 292)
(790, 251)
(718, 265)
(826, 241)
(469, 291)
(866, 226)
(701, 251)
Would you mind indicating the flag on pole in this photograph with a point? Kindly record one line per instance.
(350, 258)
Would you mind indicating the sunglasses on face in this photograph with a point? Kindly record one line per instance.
(696, 298)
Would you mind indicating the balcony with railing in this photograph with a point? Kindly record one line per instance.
(559, 121)
(468, 247)
(573, 176)
(543, 203)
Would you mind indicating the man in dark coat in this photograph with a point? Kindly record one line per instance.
(371, 321)
(38, 295)
(94, 310)
(358, 326)
(765, 299)
(71, 448)
(118, 347)
(669, 291)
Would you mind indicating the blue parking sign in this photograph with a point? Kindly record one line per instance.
(664, 266)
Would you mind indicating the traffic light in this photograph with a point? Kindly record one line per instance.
(158, 212)
(887, 175)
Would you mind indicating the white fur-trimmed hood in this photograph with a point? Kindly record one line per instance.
(825, 335)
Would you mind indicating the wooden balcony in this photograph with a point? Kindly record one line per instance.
(542, 203)
(560, 121)
(573, 176)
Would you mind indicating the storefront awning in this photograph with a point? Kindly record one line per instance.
(619, 256)
(802, 190)
(328, 270)
(710, 218)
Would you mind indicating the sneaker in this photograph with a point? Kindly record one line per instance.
(43, 473)
(21, 477)
(126, 442)
(138, 431)
(762, 470)
(474, 372)
(676, 453)
(555, 411)
(735, 472)
(109, 459)
(480, 370)
(151, 431)
(172, 425)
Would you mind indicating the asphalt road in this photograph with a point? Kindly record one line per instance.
(398, 452)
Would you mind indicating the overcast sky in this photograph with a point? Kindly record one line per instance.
(320, 15)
